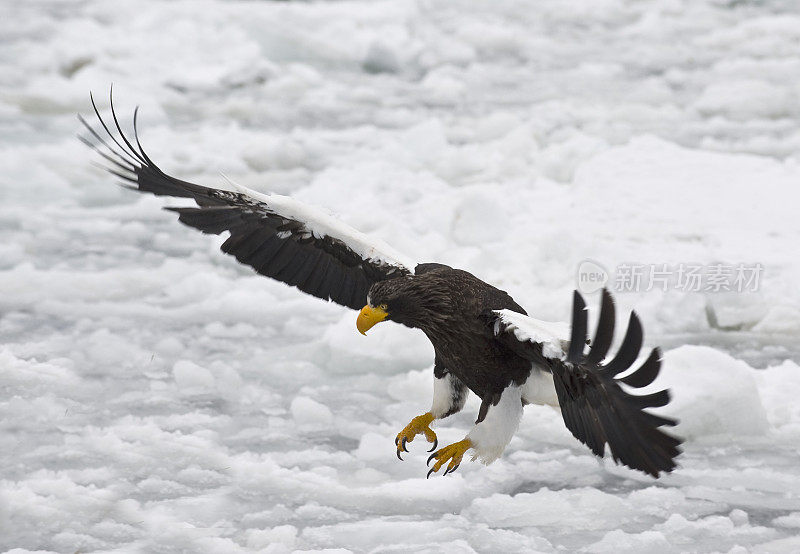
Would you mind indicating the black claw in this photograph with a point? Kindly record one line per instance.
(435, 444)
(398, 455)
(429, 474)
(455, 468)
(446, 471)
(431, 457)
(403, 445)
(396, 440)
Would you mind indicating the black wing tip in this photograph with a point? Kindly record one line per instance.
(635, 323)
(121, 152)
(619, 420)
(647, 372)
(604, 334)
(132, 150)
(657, 353)
(578, 334)
(629, 350)
(124, 150)
(577, 300)
(658, 456)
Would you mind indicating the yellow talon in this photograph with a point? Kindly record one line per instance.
(454, 453)
(419, 425)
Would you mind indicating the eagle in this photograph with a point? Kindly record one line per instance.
(484, 342)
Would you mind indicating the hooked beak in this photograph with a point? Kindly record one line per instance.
(367, 317)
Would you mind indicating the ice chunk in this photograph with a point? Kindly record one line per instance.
(285, 535)
(780, 319)
(744, 99)
(585, 508)
(380, 58)
(779, 387)
(306, 411)
(191, 377)
(618, 541)
(712, 393)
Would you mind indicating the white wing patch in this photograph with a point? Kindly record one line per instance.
(321, 224)
(554, 337)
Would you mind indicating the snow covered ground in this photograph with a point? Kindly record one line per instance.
(157, 397)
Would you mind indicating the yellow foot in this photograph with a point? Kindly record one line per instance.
(420, 424)
(453, 452)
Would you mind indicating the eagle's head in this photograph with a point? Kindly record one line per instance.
(411, 301)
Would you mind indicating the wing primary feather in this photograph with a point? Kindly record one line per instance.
(239, 234)
(596, 437)
(361, 289)
(150, 162)
(647, 373)
(347, 289)
(212, 220)
(620, 447)
(119, 128)
(605, 330)
(654, 400)
(252, 243)
(315, 282)
(629, 350)
(305, 271)
(108, 131)
(293, 267)
(262, 257)
(657, 421)
(102, 141)
(282, 257)
(120, 164)
(578, 328)
(114, 172)
(334, 279)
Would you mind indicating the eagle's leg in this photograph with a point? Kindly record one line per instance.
(497, 422)
(452, 453)
(449, 395)
(419, 425)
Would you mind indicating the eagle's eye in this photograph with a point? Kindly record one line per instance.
(384, 307)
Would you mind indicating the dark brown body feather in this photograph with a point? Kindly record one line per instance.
(461, 343)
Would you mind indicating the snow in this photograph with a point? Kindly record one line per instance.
(157, 397)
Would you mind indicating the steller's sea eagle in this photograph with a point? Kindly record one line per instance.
(483, 340)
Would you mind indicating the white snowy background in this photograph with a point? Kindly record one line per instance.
(155, 396)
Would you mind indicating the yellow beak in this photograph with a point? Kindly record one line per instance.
(368, 317)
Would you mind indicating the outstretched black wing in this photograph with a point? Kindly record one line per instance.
(276, 235)
(595, 407)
